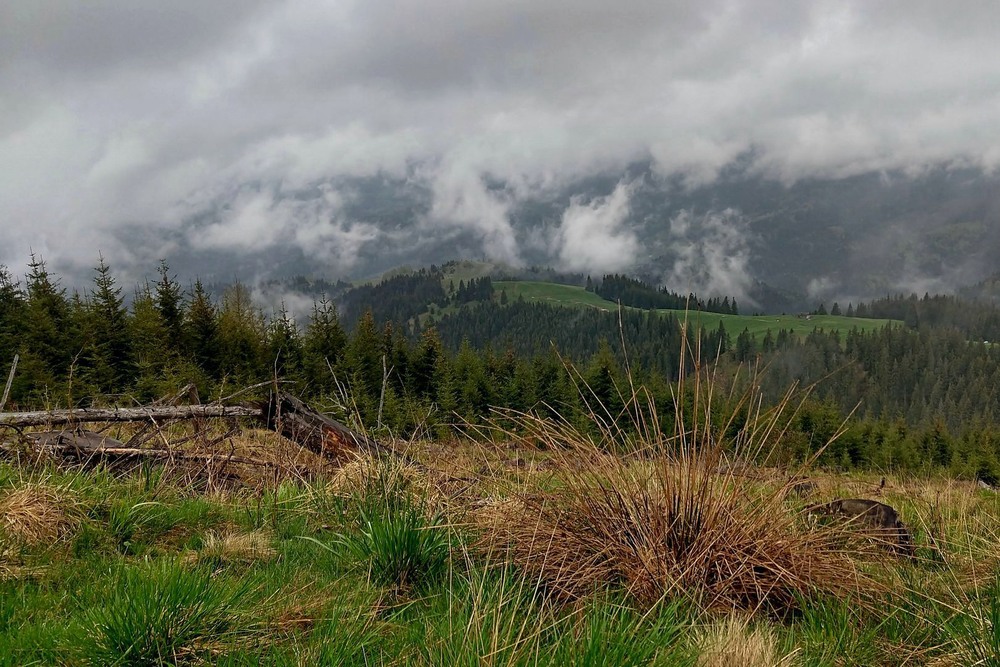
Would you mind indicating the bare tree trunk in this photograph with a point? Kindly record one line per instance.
(84, 415)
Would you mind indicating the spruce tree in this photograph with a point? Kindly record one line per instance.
(324, 346)
(285, 346)
(364, 365)
(150, 346)
(49, 343)
(242, 337)
(169, 303)
(114, 362)
(12, 315)
(201, 329)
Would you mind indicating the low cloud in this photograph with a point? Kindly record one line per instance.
(711, 254)
(462, 202)
(591, 236)
(144, 116)
(257, 220)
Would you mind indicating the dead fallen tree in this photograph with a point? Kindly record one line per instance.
(84, 446)
(109, 415)
(282, 413)
(316, 432)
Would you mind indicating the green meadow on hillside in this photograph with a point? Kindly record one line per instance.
(757, 325)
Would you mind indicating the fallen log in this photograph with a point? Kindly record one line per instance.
(282, 413)
(296, 421)
(85, 415)
(84, 445)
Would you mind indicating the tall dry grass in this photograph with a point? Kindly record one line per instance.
(669, 515)
(37, 513)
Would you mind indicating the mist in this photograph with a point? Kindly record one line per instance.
(232, 137)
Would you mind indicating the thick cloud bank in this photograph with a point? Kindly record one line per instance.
(143, 129)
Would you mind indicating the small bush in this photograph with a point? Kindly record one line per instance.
(158, 613)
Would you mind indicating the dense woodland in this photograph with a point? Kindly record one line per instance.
(638, 294)
(922, 398)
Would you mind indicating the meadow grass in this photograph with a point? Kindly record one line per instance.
(756, 325)
(548, 544)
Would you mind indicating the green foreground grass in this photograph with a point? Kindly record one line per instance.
(375, 567)
(757, 325)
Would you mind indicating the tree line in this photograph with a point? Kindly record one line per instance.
(634, 292)
(927, 397)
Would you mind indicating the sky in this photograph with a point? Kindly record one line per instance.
(142, 129)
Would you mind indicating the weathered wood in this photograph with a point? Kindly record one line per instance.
(318, 433)
(282, 413)
(90, 446)
(85, 415)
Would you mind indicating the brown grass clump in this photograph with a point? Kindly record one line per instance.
(733, 643)
(670, 516)
(367, 473)
(37, 513)
(236, 547)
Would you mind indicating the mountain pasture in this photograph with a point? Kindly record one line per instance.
(757, 325)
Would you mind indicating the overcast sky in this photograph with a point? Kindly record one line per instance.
(203, 117)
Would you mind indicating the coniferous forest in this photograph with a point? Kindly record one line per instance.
(920, 395)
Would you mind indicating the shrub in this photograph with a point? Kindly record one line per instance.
(393, 531)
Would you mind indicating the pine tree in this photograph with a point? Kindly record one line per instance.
(744, 346)
(767, 343)
(324, 344)
(425, 369)
(242, 337)
(49, 344)
(150, 346)
(12, 315)
(285, 346)
(169, 303)
(113, 359)
(603, 395)
(202, 331)
(363, 361)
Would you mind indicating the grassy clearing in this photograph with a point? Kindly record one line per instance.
(545, 546)
(757, 325)
(552, 293)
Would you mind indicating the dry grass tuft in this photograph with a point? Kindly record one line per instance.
(669, 515)
(367, 473)
(733, 643)
(236, 547)
(36, 513)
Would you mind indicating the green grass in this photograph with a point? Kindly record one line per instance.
(757, 325)
(553, 293)
(145, 579)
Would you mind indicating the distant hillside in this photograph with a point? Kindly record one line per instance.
(757, 325)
